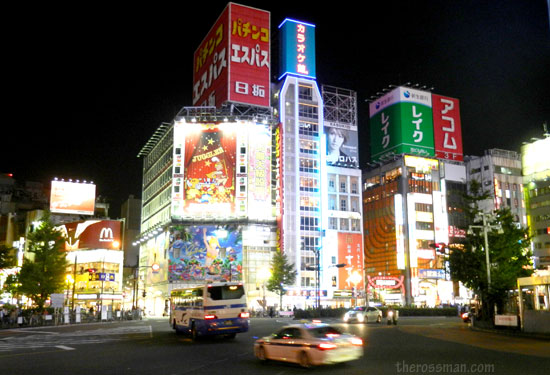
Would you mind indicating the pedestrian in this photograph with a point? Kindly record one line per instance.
(271, 312)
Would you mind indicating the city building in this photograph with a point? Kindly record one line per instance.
(409, 225)
(536, 176)
(499, 173)
(248, 173)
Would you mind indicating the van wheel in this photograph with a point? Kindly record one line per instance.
(231, 335)
(175, 327)
(194, 333)
(304, 360)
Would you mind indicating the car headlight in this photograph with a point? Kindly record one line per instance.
(360, 317)
(346, 317)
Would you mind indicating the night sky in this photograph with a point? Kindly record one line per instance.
(88, 86)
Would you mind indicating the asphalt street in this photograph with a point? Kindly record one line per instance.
(414, 346)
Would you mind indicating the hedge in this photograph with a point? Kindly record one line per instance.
(403, 311)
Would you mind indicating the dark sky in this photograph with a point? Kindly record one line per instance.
(87, 86)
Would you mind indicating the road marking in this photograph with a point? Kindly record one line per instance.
(64, 347)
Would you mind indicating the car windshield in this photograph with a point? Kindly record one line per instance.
(321, 332)
(359, 308)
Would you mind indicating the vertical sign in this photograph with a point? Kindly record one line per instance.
(297, 48)
(210, 65)
(233, 62)
(249, 70)
(350, 252)
(447, 128)
(401, 123)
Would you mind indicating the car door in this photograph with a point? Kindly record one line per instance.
(277, 346)
(372, 314)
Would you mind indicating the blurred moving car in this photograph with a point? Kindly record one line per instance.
(309, 344)
(363, 314)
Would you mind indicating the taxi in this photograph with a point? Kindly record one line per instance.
(309, 344)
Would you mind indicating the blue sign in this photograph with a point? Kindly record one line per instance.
(297, 48)
(431, 274)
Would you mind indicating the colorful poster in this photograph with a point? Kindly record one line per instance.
(209, 183)
(200, 253)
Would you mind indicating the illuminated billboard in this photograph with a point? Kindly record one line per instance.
(342, 147)
(535, 159)
(72, 198)
(297, 48)
(222, 170)
(350, 252)
(447, 128)
(209, 165)
(233, 62)
(92, 234)
(401, 123)
(200, 253)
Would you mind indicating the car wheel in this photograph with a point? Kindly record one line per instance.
(379, 319)
(261, 354)
(194, 333)
(304, 360)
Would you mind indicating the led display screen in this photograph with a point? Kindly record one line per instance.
(72, 198)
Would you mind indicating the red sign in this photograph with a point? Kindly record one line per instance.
(447, 128)
(233, 61)
(350, 252)
(92, 234)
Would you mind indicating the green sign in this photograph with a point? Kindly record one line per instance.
(401, 123)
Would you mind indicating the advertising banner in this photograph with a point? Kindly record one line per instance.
(72, 198)
(233, 62)
(209, 178)
(401, 122)
(259, 172)
(200, 253)
(250, 62)
(297, 48)
(92, 234)
(447, 128)
(350, 252)
(342, 146)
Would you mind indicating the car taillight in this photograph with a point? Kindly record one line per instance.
(244, 315)
(326, 346)
(209, 317)
(356, 341)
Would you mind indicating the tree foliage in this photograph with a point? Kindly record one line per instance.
(7, 256)
(509, 254)
(43, 273)
(282, 274)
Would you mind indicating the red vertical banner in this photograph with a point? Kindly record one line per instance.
(233, 63)
(211, 65)
(350, 252)
(250, 59)
(447, 128)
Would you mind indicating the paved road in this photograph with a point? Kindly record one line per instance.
(415, 346)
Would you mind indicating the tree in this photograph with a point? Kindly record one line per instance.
(282, 274)
(7, 258)
(509, 255)
(44, 273)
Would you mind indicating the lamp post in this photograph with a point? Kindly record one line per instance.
(486, 227)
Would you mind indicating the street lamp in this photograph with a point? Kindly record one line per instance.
(486, 227)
